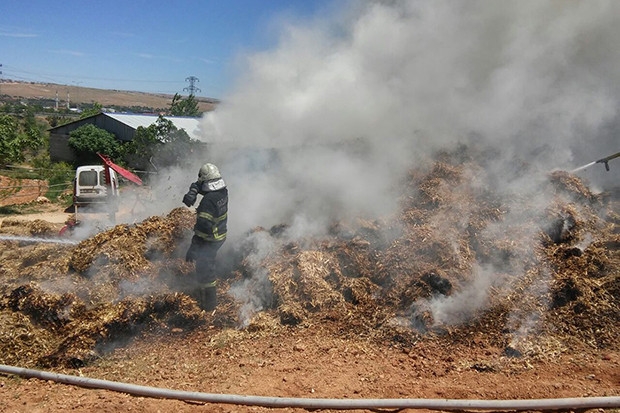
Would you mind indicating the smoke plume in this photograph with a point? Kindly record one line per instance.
(353, 99)
(324, 125)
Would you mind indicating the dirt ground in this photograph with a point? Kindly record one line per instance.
(321, 345)
(313, 362)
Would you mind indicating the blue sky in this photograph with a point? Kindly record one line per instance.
(149, 46)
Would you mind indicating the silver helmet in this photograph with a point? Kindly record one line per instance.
(208, 172)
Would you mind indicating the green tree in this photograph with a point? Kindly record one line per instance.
(95, 110)
(21, 136)
(33, 130)
(59, 177)
(184, 107)
(88, 139)
(57, 120)
(175, 149)
(160, 145)
(10, 140)
(139, 152)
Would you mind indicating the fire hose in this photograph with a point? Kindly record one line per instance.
(577, 403)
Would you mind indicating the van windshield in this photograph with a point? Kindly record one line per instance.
(88, 178)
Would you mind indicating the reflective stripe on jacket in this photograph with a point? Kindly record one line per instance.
(215, 233)
(212, 216)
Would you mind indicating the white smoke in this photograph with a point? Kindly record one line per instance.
(462, 306)
(525, 323)
(324, 125)
(397, 80)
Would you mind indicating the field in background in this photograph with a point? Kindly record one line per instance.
(85, 95)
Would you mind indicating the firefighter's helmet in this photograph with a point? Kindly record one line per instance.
(208, 172)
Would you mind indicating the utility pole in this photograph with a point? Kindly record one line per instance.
(192, 88)
(0, 81)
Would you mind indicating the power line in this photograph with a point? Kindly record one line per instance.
(20, 74)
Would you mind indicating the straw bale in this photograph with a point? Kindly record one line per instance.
(33, 261)
(313, 269)
(127, 250)
(263, 322)
(22, 342)
(14, 227)
(122, 246)
(355, 257)
(87, 321)
(10, 259)
(433, 189)
(37, 253)
(306, 284)
(106, 326)
(180, 221)
(39, 227)
(359, 291)
(564, 182)
(49, 310)
(175, 267)
(291, 313)
(584, 298)
(11, 223)
(414, 216)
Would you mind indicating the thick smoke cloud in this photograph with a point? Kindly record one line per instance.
(324, 125)
(353, 99)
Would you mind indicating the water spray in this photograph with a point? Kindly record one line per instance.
(36, 239)
(604, 161)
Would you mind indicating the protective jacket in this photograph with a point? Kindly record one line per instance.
(212, 212)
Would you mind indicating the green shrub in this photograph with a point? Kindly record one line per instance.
(60, 179)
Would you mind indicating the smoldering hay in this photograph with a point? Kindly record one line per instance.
(447, 264)
(327, 124)
(395, 170)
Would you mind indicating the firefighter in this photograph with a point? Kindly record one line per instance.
(209, 231)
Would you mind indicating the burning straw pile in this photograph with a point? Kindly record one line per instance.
(66, 305)
(457, 258)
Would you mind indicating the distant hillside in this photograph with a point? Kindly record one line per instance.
(85, 95)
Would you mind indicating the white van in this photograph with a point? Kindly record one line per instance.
(90, 185)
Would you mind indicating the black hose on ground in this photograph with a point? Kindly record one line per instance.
(578, 403)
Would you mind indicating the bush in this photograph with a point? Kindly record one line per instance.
(59, 177)
(60, 180)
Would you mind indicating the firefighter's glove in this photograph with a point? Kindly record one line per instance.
(190, 198)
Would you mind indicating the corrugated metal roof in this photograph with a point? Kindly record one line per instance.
(190, 125)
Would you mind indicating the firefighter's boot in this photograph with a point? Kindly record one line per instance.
(206, 296)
